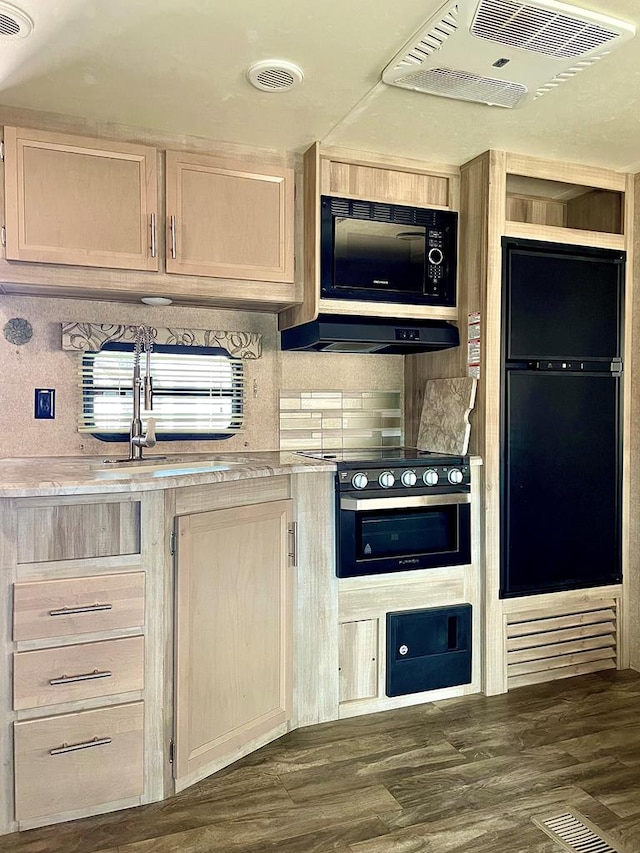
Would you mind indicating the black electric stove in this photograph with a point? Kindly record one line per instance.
(397, 469)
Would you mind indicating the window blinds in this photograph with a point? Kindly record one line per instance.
(196, 394)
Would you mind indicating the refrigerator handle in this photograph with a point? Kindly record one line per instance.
(574, 365)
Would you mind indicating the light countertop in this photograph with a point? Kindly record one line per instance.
(73, 475)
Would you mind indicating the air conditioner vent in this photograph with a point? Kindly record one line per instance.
(465, 86)
(504, 52)
(568, 74)
(432, 41)
(529, 27)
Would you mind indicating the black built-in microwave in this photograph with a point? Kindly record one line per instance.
(378, 252)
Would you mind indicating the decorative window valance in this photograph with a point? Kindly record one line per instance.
(92, 336)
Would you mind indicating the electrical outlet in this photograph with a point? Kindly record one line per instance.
(45, 403)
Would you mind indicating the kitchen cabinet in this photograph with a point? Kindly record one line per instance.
(234, 613)
(82, 688)
(370, 177)
(358, 662)
(229, 219)
(79, 201)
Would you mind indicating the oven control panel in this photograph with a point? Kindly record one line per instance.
(439, 478)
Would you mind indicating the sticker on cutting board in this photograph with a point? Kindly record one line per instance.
(473, 344)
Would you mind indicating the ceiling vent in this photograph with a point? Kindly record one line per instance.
(503, 52)
(275, 75)
(14, 23)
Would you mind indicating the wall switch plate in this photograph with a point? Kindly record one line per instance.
(45, 403)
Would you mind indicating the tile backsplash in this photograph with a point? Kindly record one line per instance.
(330, 420)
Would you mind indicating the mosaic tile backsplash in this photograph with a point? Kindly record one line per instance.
(330, 420)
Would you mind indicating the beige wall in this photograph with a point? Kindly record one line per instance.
(42, 363)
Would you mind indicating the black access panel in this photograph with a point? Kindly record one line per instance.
(428, 649)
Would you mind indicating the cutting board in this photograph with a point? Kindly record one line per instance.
(444, 424)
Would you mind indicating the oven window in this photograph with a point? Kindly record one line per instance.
(403, 532)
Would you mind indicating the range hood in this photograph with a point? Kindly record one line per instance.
(346, 333)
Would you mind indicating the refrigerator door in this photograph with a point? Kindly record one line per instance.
(562, 302)
(560, 483)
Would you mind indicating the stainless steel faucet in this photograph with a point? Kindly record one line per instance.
(143, 341)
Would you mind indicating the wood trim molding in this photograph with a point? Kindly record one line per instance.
(92, 336)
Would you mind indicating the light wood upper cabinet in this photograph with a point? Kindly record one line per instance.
(75, 200)
(229, 220)
(233, 633)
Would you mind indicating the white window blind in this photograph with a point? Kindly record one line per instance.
(197, 394)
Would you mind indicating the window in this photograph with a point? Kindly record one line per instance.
(197, 392)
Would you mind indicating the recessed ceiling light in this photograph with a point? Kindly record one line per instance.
(156, 300)
(275, 75)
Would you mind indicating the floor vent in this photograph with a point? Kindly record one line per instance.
(575, 833)
(544, 645)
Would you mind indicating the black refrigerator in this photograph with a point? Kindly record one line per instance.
(561, 401)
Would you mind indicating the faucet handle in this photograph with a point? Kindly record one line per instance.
(150, 433)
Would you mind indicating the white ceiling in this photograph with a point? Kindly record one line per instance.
(179, 66)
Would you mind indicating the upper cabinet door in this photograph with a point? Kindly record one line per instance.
(229, 220)
(73, 200)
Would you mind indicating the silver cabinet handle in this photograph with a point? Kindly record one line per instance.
(293, 553)
(89, 608)
(87, 676)
(97, 741)
(154, 246)
(172, 228)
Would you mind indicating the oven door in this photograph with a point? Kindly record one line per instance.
(396, 534)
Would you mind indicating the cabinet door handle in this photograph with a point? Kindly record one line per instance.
(154, 246)
(293, 553)
(87, 676)
(172, 228)
(89, 608)
(97, 741)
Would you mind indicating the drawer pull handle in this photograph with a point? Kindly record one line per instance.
(87, 676)
(71, 611)
(97, 741)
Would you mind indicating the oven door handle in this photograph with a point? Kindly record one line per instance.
(359, 504)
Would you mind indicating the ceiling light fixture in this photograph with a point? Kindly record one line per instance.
(156, 300)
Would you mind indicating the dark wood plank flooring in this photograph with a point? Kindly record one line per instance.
(459, 775)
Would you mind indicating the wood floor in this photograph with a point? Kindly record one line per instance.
(459, 775)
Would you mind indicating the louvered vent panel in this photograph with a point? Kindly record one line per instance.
(547, 645)
(528, 27)
(568, 74)
(465, 86)
(429, 43)
(381, 212)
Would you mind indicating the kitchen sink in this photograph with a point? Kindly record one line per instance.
(164, 466)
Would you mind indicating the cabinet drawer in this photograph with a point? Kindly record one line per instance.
(70, 606)
(68, 673)
(76, 761)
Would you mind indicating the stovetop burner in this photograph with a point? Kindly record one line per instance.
(359, 456)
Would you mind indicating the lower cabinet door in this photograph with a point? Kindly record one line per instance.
(358, 660)
(233, 633)
(78, 761)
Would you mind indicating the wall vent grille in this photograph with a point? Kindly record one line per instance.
(529, 27)
(551, 644)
